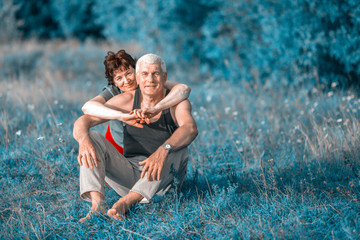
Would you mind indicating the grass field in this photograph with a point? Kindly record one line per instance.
(267, 163)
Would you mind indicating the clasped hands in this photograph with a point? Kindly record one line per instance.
(138, 117)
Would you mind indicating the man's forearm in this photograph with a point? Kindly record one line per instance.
(183, 136)
(102, 111)
(82, 126)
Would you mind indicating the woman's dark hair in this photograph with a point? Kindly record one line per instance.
(120, 60)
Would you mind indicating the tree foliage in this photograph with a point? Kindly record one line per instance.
(270, 42)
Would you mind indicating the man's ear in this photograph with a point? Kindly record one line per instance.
(137, 76)
(165, 77)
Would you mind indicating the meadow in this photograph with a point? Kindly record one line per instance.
(268, 163)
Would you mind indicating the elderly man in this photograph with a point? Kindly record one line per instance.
(154, 153)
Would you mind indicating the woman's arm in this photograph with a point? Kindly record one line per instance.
(110, 110)
(96, 108)
(178, 93)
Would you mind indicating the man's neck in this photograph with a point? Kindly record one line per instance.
(148, 101)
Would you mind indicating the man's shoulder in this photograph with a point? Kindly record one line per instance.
(126, 95)
(180, 108)
(184, 104)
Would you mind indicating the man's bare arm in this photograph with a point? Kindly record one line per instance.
(187, 130)
(81, 135)
(83, 124)
(182, 137)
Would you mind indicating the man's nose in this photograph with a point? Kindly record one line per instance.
(150, 78)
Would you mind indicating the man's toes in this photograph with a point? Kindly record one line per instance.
(114, 214)
(111, 212)
(87, 217)
(118, 216)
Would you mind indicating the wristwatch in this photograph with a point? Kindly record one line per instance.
(167, 147)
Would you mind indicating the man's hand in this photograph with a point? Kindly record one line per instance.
(140, 116)
(145, 114)
(87, 154)
(150, 112)
(133, 119)
(154, 164)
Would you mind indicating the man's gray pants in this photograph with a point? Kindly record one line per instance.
(123, 174)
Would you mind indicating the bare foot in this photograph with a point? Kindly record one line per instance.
(93, 210)
(87, 217)
(119, 209)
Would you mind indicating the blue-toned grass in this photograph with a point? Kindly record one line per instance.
(267, 163)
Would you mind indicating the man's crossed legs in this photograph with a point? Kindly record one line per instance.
(123, 175)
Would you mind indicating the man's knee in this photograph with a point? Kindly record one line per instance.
(98, 142)
(94, 135)
(97, 139)
(177, 162)
(181, 155)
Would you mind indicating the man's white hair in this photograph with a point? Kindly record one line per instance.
(151, 59)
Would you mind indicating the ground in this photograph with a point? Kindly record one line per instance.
(267, 163)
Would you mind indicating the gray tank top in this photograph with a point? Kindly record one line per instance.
(116, 126)
(145, 141)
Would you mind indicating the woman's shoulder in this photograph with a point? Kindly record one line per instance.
(122, 101)
(113, 89)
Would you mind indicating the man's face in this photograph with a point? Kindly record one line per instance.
(151, 78)
(125, 79)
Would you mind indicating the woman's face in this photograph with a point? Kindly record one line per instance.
(125, 80)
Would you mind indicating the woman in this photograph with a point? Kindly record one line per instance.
(120, 73)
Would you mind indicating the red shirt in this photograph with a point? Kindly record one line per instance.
(109, 137)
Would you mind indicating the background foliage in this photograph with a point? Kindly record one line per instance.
(273, 42)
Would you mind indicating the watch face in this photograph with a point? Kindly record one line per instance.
(167, 146)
